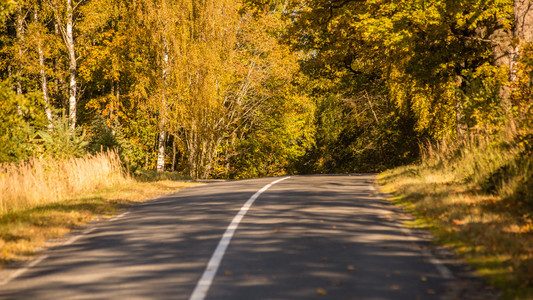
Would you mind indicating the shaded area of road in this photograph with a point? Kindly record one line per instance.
(317, 237)
(307, 237)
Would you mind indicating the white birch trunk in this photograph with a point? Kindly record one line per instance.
(73, 85)
(161, 151)
(44, 80)
(163, 111)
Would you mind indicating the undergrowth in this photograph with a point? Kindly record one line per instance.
(476, 195)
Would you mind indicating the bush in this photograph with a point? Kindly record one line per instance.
(62, 141)
(18, 117)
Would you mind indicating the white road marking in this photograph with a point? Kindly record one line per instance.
(75, 238)
(121, 215)
(22, 270)
(443, 270)
(202, 287)
(441, 267)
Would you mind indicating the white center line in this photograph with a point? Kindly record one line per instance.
(202, 287)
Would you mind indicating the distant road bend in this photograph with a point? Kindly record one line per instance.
(300, 237)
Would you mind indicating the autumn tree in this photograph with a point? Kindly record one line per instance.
(65, 13)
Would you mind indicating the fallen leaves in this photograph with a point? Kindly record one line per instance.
(321, 292)
(458, 222)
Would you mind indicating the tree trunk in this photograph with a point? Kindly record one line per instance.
(20, 39)
(116, 104)
(460, 126)
(161, 151)
(44, 80)
(523, 30)
(173, 153)
(522, 34)
(113, 105)
(506, 50)
(163, 110)
(71, 49)
(192, 151)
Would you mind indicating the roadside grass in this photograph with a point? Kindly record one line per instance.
(476, 196)
(143, 175)
(44, 181)
(41, 203)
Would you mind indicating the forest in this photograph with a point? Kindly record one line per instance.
(240, 89)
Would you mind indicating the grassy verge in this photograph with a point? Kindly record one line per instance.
(43, 201)
(477, 197)
(25, 231)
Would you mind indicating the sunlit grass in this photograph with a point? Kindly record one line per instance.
(42, 200)
(43, 181)
(25, 231)
(475, 197)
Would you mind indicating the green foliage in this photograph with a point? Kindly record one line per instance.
(256, 88)
(431, 58)
(19, 116)
(274, 144)
(350, 138)
(102, 138)
(62, 142)
(144, 175)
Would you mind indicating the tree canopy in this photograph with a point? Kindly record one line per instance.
(238, 89)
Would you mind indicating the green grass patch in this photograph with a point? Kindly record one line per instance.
(150, 176)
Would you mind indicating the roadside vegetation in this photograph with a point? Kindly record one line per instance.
(476, 195)
(42, 200)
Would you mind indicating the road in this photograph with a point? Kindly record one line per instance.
(304, 237)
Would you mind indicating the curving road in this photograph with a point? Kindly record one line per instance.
(304, 237)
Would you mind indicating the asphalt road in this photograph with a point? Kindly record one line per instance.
(306, 237)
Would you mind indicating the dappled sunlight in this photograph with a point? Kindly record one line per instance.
(339, 240)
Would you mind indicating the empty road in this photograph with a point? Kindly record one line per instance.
(303, 237)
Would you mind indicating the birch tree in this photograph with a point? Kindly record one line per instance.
(65, 15)
(164, 29)
(42, 65)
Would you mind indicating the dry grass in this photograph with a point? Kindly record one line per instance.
(474, 197)
(39, 182)
(43, 200)
(25, 231)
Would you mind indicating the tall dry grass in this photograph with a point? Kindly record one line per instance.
(38, 182)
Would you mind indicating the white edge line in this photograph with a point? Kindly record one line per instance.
(22, 270)
(203, 285)
(443, 270)
(120, 216)
(441, 267)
